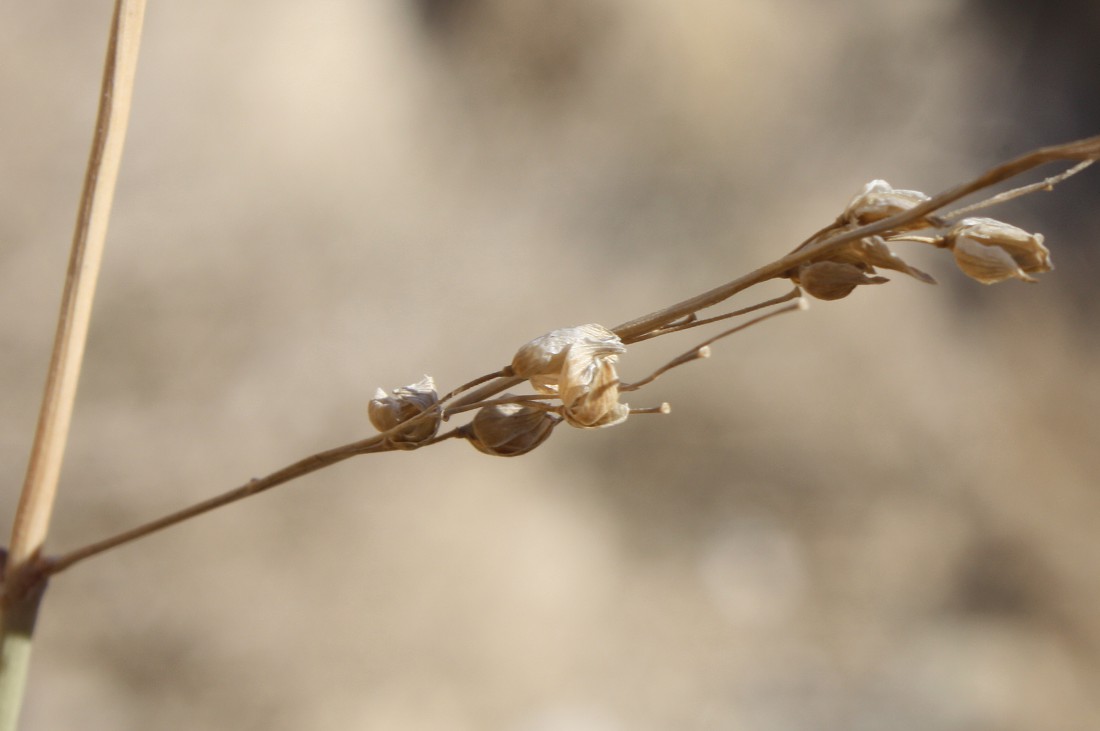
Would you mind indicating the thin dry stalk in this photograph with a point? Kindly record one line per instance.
(682, 315)
(22, 592)
(1080, 150)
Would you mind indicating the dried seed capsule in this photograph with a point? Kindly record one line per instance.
(576, 364)
(832, 280)
(878, 200)
(544, 359)
(590, 396)
(991, 251)
(509, 430)
(387, 411)
(850, 266)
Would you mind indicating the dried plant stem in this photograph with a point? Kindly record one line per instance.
(22, 589)
(819, 244)
(470, 384)
(302, 467)
(702, 350)
(252, 487)
(1046, 184)
(676, 317)
(1080, 150)
(692, 321)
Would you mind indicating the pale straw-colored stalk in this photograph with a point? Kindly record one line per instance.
(22, 587)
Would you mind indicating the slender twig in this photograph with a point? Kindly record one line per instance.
(252, 487)
(470, 384)
(820, 244)
(534, 400)
(1086, 149)
(702, 350)
(679, 316)
(371, 445)
(1045, 184)
(693, 321)
(22, 588)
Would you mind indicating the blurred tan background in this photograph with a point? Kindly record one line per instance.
(879, 514)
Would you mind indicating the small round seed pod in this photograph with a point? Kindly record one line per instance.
(509, 430)
(831, 280)
(991, 251)
(548, 358)
(878, 200)
(407, 402)
(577, 364)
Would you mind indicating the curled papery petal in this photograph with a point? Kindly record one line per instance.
(590, 396)
(874, 252)
(509, 430)
(547, 357)
(583, 417)
(832, 280)
(992, 251)
(576, 364)
(386, 411)
(878, 200)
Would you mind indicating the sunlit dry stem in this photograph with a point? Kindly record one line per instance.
(23, 584)
(535, 400)
(32, 514)
(703, 349)
(476, 382)
(254, 486)
(371, 445)
(1086, 149)
(693, 321)
(818, 246)
(1047, 184)
(697, 353)
(664, 408)
(933, 240)
(413, 446)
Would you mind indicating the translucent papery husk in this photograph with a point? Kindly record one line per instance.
(992, 251)
(543, 360)
(407, 402)
(590, 396)
(879, 200)
(833, 280)
(585, 416)
(509, 430)
(852, 265)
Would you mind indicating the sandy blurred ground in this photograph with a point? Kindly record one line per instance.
(879, 514)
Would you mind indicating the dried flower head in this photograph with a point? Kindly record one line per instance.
(509, 430)
(851, 266)
(832, 280)
(576, 364)
(878, 200)
(873, 252)
(590, 395)
(991, 251)
(387, 412)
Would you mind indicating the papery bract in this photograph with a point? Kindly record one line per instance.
(386, 411)
(992, 251)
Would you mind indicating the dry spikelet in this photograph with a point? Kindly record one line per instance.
(509, 430)
(991, 251)
(407, 402)
(576, 364)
